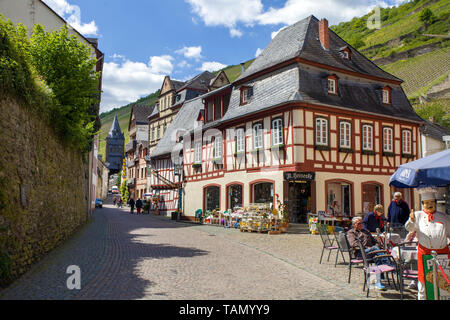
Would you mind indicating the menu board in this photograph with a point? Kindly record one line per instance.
(443, 286)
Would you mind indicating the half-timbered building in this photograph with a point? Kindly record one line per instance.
(311, 122)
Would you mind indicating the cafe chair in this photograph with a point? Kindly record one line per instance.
(328, 244)
(352, 254)
(339, 238)
(405, 270)
(382, 269)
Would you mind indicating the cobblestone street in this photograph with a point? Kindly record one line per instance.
(123, 256)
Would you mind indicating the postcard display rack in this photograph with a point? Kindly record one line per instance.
(258, 217)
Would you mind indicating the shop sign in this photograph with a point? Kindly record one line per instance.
(294, 176)
(443, 287)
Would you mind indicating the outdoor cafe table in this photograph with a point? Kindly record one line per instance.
(408, 253)
(394, 237)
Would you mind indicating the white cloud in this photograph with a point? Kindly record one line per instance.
(72, 14)
(183, 64)
(231, 13)
(211, 66)
(258, 52)
(235, 33)
(191, 52)
(161, 64)
(126, 81)
(273, 34)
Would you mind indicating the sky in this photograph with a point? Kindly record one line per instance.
(145, 40)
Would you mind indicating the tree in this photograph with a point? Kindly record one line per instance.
(439, 110)
(427, 16)
(66, 67)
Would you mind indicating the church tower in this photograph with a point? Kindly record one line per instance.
(115, 142)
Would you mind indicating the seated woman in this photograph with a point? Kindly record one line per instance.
(374, 219)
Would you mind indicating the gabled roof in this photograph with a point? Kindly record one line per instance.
(434, 130)
(115, 130)
(301, 40)
(141, 113)
(199, 82)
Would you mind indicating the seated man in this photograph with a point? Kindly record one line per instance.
(374, 219)
(369, 243)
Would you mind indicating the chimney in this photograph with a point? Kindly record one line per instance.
(242, 68)
(324, 34)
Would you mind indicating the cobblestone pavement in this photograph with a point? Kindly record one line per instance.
(124, 256)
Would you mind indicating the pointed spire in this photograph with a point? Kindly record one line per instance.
(115, 128)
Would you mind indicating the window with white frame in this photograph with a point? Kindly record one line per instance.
(244, 95)
(198, 152)
(277, 132)
(217, 147)
(386, 96)
(345, 131)
(388, 140)
(321, 132)
(153, 133)
(158, 132)
(406, 141)
(257, 136)
(367, 132)
(240, 140)
(332, 86)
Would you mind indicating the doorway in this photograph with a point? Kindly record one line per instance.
(299, 203)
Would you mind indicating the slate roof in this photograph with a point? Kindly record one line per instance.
(200, 81)
(115, 130)
(142, 112)
(184, 120)
(302, 40)
(177, 85)
(434, 130)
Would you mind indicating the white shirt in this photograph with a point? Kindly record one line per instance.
(431, 234)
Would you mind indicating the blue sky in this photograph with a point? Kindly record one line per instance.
(144, 40)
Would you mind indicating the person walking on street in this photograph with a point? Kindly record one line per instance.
(131, 203)
(114, 200)
(398, 211)
(139, 205)
(119, 204)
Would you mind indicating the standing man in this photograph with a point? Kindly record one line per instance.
(398, 211)
(432, 230)
(131, 203)
(139, 205)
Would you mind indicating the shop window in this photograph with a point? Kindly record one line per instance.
(371, 196)
(345, 133)
(339, 197)
(388, 140)
(277, 132)
(321, 132)
(235, 196)
(263, 192)
(212, 198)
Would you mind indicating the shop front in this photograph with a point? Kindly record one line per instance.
(299, 195)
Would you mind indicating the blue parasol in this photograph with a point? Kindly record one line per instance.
(431, 171)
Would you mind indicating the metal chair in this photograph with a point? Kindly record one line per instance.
(339, 238)
(328, 244)
(382, 269)
(352, 254)
(405, 271)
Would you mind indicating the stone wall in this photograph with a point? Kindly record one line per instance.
(43, 187)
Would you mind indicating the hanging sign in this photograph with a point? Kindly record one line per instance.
(294, 176)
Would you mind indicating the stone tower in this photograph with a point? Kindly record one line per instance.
(115, 142)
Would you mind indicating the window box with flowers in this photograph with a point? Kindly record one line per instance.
(321, 147)
(239, 154)
(368, 152)
(196, 165)
(388, 154)
(407, 155)
(278, 147)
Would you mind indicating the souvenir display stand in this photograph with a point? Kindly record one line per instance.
(258, 217)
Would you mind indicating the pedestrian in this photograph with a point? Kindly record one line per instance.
(119, 204)
(114, 200)
(398, 211)
(432, 230)
(374, 219)
(131, 203)
(139, 205)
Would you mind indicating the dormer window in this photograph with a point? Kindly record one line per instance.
(346, 55)
(345, 52)
(387, 95)
(333, 84)
(246, 93)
